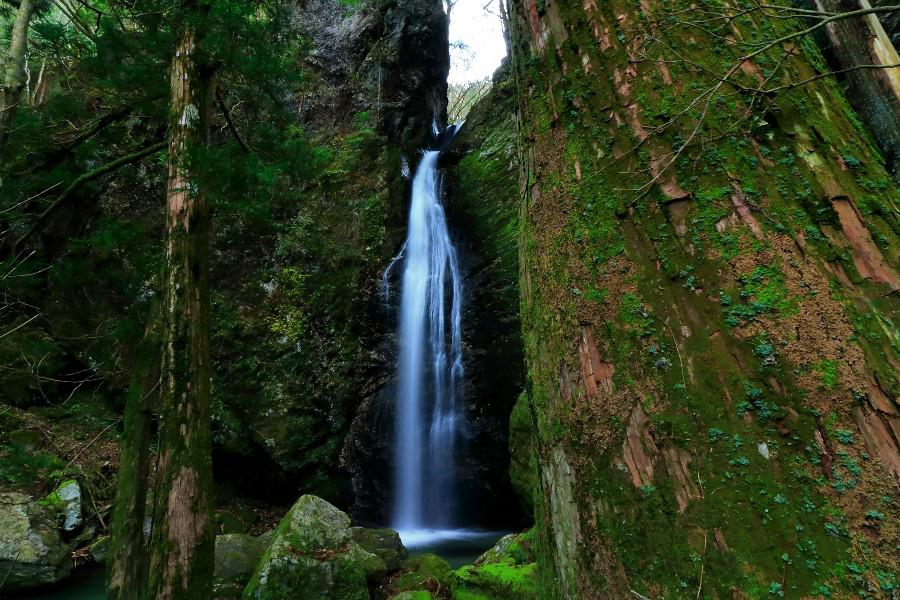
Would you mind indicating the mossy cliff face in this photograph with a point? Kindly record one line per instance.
(482, 208)
(388, 58)
(300, 339)
(711, 358)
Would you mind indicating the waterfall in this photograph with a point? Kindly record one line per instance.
(429, 371)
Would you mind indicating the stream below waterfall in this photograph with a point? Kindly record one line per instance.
(88, 584)
(458, 547)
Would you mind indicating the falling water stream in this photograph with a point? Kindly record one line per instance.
(430, 420)
(430, 367)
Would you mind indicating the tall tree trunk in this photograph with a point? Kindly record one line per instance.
(875, 93)
(14, 77)
(181, 561)
(127, 568)
(709, 303)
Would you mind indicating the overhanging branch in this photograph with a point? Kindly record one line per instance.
(77, 183)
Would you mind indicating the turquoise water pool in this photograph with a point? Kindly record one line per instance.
(457, 546)
(89, 585)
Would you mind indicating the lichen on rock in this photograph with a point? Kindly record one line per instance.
(312, 556)
(32, 553)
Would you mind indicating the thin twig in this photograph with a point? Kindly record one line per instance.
(20, 326)
(231, 126)
(26, 200)
(703, 564)
(675, 341)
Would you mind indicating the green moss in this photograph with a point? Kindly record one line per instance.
(501, 580)
(420, 572)
(469, 595)
(523, 462)
(413, 595)
(828, 373)
(53, 500)
(761, 292)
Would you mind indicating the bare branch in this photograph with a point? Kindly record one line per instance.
(234, 131)
(61, 199)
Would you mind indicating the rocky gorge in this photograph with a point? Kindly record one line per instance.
(285, 423)
(680, 265)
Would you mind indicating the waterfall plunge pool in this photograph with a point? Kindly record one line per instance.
(457, 546)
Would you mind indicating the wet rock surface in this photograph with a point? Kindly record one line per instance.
(32, 553)
(390, 59)
(384, 543)
(67, 497)
(237, 555)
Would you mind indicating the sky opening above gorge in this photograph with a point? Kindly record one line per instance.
(476, 40)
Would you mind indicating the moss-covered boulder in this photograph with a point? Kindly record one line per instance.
(32, 554)
(237, 519)
(66, 499)
(98, 549)
(505, 572)
(515, 548)
(417, 595)
(312, 556)
(237, 556)
(384, 543)
(420, 573)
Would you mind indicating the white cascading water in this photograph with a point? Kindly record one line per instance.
(430, 368)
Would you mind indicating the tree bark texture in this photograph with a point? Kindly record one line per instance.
(874, 93)
(181, 561)
(14, 76)
(709, 304)
(127, 567)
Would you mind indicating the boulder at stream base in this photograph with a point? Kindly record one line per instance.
(32, 554)
(237, 555)
(313, 557)
(421, 573)
(384, 543)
